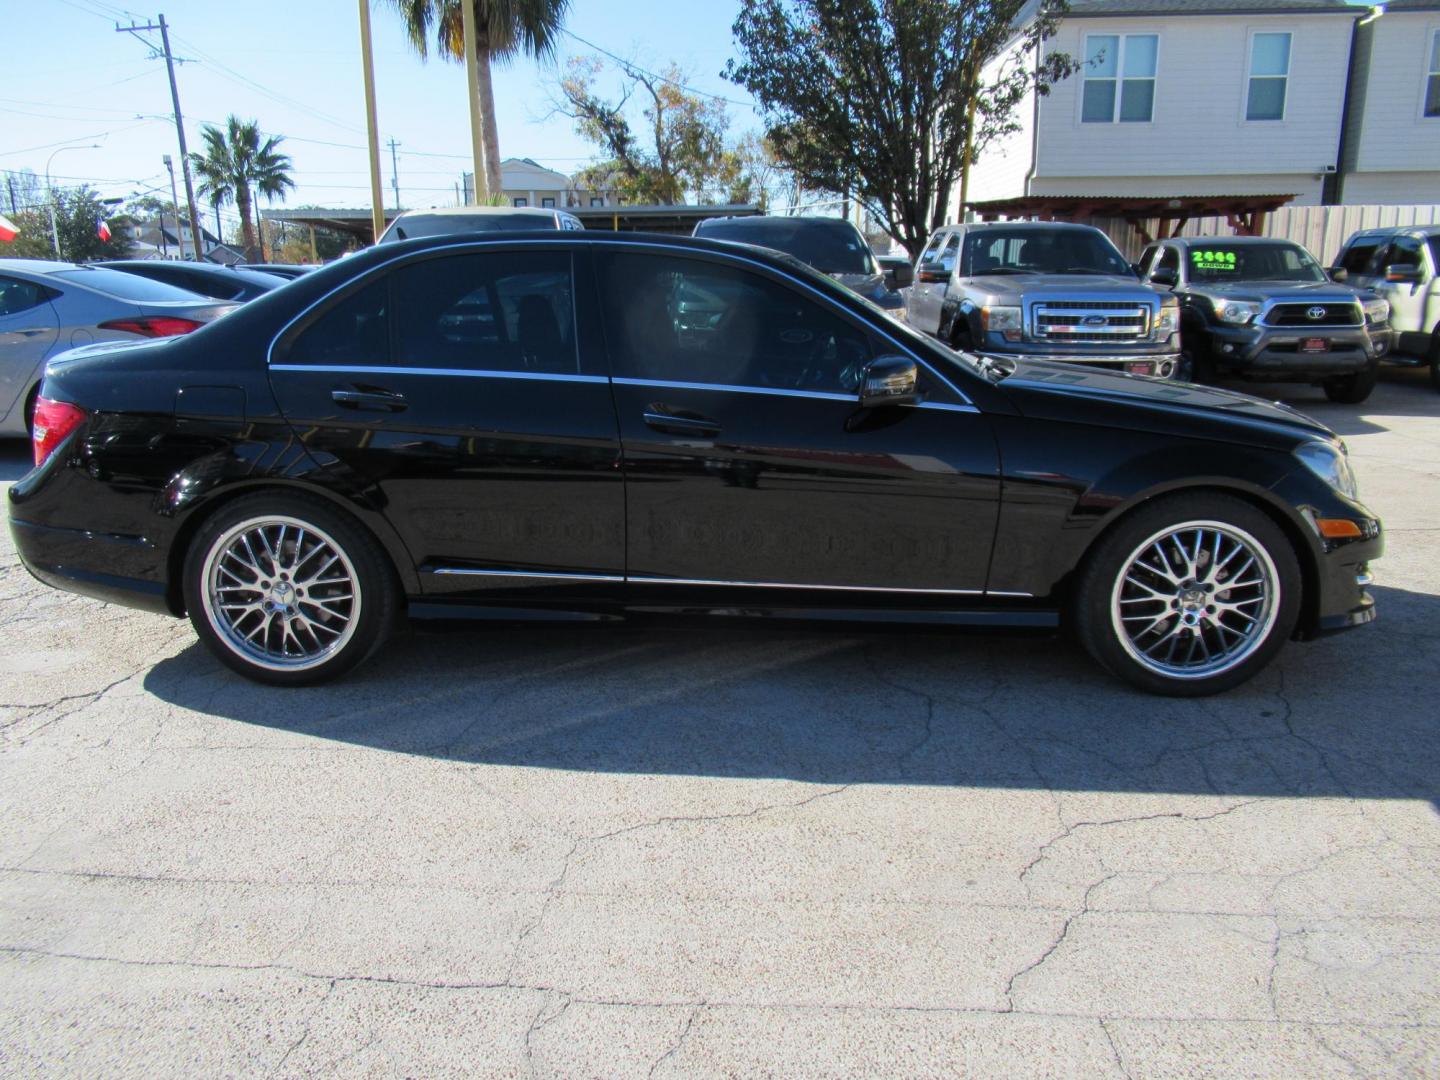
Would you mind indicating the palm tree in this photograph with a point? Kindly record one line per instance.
(237, 166)
(503, 29)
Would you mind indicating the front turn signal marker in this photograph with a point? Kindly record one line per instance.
(1339, 529)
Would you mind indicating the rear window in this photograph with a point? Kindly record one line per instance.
(449, 224)
(831, 249)
(125, 286)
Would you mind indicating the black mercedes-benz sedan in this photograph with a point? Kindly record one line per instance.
(594, 426)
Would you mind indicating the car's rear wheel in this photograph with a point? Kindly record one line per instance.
(1352, 389)
(1190, 596)
(1435, 359)
(288, 591)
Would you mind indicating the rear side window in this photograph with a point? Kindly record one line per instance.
(124, 286)
(17, 296)
(1403, 251)
(511, 311)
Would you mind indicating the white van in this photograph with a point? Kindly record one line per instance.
(476, 219)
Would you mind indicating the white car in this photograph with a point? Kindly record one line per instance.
(1402, 264)
(476, 219)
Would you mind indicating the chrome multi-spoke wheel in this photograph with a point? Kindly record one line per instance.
(280, 592)
(1195, 599)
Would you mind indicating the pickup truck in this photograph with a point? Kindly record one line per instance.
(1403, 266)
(1257, 307)
(1042, 291)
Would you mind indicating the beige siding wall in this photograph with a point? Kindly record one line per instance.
(1394, 136)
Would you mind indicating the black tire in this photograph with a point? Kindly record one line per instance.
(1435, 360)
(332, 630)
(1101, 603)
(1352, 389)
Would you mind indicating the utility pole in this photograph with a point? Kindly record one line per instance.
(377, 195)
(472, 83)
(137, 30)
(395, 173)
(10, 183)
(175, 202)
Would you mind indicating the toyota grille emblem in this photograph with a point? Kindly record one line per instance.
(1315, 314)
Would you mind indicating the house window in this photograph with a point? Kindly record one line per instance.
(597, 202)
(1269, 73)
(520, 200)
(1432, 80)
(548, 203)
(1119, 78)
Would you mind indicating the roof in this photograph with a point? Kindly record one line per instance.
(1130, 205)
(480, 211)
(37, 266)
(757, 221)
(1027, 225)
(1083, 9)
(1228, 241)
(1412, 5)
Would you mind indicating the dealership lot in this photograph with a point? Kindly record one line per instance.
(591, 852)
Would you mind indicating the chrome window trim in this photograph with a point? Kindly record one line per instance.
(724, 256)
(460, 571)
(456, 571)
(468, 373)
(820, 395)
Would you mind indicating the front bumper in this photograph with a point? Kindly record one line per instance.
(1273, 352)
(1162, 364)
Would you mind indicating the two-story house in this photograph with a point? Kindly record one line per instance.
(528, 183)
(1260, 102)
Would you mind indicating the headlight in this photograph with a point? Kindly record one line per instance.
(1377, 310)
(1238, 312)
(1168, 321)
(1003, 320)
(1330, 465)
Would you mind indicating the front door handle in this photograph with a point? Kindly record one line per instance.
(677, 422)
(373, 398)
(33, 331)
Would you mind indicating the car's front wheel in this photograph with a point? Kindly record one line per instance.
(1352, 389)
(1190, 596)
(287, 590)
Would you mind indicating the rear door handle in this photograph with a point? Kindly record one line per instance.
(33, 331)
(371, 398)
(675, 422)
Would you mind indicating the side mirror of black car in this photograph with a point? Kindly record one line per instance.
(888, 380)
(1165, 278)
(1338, 274)
(901, 277)
(1402, 273)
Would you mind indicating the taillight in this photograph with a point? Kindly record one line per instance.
(54, 421)
(153, 325)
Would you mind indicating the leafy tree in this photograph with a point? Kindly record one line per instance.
(682, 147)
(78, 214)
(503, 29)
(886, 99)
(236, 166)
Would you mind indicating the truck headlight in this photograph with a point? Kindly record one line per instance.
(1007, 321)
(1377, 310)
(1168, 321)
(1329, 464)
(1235, 312)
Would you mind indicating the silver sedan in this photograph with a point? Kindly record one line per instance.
(48, 307)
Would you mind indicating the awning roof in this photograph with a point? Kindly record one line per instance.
(1246, 213)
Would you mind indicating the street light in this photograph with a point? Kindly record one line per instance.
(50, 191)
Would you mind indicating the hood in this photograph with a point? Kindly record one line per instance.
(1070, 392)
(870, 286)
(1300, 292)
(1062, 286)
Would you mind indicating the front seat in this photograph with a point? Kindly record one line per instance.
(538, 334)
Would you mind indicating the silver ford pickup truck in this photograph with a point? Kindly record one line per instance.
(1043, 290)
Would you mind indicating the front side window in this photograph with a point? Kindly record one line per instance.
(511, 312)
(1120, 72)
(1432, 77)
(689, 321)
(1169, 260)
(1357, 257)
(1269, 76)
(1404, 251)
(17, 296)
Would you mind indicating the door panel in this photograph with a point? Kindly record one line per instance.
(454, 392)
(748, 460)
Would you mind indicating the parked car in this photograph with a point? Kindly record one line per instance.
(1261, 308)
(833, 246)
(453, 220)
(48, 307)
(206, 279)
(1043, 290)
(526, 422)
(1403, 266)
(284, 270)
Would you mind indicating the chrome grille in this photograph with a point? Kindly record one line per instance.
(1089, 322)
(1334, 314)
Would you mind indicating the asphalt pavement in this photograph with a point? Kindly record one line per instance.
(620, 852)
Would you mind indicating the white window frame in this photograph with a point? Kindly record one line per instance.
(1432, 42)
(1249, 77)
(1119, 79)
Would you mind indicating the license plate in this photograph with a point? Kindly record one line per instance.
(1315, 344)
(1138, 368)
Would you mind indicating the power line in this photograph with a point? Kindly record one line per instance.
(655, 74)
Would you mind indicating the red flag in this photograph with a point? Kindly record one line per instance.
(103, 231)
(8, 231)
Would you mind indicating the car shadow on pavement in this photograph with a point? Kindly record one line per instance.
(15, 459)
(1351, 715)
(1402, 392)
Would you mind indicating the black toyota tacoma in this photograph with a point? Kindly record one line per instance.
(1261, 308)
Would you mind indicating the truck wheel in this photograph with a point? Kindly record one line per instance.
(1352, 389)
(1435, 360)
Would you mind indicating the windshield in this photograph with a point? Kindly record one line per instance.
(123, 286)
(830, 247)
(407, 228)
(1253, 262)
(1040, 251)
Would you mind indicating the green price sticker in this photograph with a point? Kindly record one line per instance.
(1213, 260)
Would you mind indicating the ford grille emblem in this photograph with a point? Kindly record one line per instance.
(1315, 313)
(1095, 320)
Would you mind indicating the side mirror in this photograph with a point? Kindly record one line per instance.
(1402, 273)
(901, 277)
(1165, 278)
(888, 380)
(1338, 274)
(932, 277)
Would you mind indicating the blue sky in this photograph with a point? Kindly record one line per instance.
(294, 66)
